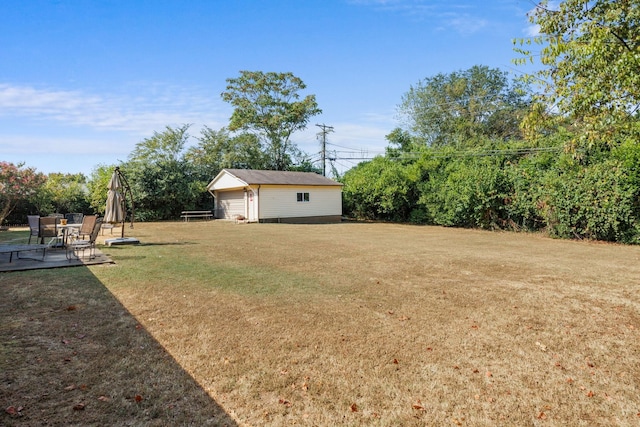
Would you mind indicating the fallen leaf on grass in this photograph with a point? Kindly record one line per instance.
(104, 399)
(79, 407)
(542, 416)
(353, 407)
(489, 374)
(137, 398)
(590, 393)
(12, 410)
(418, 406)
(395, 361)
(70, 387)
(284, 402)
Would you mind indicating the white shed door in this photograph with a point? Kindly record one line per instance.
(231, 203)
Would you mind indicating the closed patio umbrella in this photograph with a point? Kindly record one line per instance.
(115, 209)
(114, 212)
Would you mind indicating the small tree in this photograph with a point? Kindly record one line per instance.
(17, 184)
(268, 104)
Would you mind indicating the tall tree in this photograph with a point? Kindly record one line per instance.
(269, 104)
(591, 75)
(162, 146)
(217, 149)
(460, 107)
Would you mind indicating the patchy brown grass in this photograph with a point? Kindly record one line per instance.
(71, 354)
(354, 324)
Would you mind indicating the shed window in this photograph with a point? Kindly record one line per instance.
(303, 197)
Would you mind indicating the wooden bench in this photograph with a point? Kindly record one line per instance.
(196, 214)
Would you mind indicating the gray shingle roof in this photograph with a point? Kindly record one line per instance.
(251, 176)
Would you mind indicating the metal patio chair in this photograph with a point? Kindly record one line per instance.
(48, 229)
(76, 246)
(34, 227)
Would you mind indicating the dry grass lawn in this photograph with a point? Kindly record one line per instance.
(351, 324)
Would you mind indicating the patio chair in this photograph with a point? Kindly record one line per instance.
(74, 218)
(76, 246)
(88, 222)
(48, 228)
(34, 226)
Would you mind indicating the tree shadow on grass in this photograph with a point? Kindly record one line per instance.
(71, 354)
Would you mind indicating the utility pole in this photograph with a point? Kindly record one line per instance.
(323, 134)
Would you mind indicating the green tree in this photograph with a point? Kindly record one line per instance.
(162, 182)
(97, 187)
(269, 104)
(217, 149)
(162, 146)
(17, 184)
(68, 192)
(458, 108)
(590, 51)
(382, 188)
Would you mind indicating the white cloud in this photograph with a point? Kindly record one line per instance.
(466, 24)
(58, 145)
(444, 15)
(532, 30)
(141, 110)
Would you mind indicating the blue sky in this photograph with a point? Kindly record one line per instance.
(81, 82)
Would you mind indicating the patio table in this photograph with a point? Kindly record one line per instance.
(66, 228)
(11, 249)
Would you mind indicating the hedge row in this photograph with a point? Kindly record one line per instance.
(568, 195)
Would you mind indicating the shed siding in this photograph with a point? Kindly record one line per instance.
(230, 204)
(281, 202)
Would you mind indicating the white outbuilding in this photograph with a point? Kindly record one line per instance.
(276, 196)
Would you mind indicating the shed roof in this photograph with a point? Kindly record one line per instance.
(264, 177)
